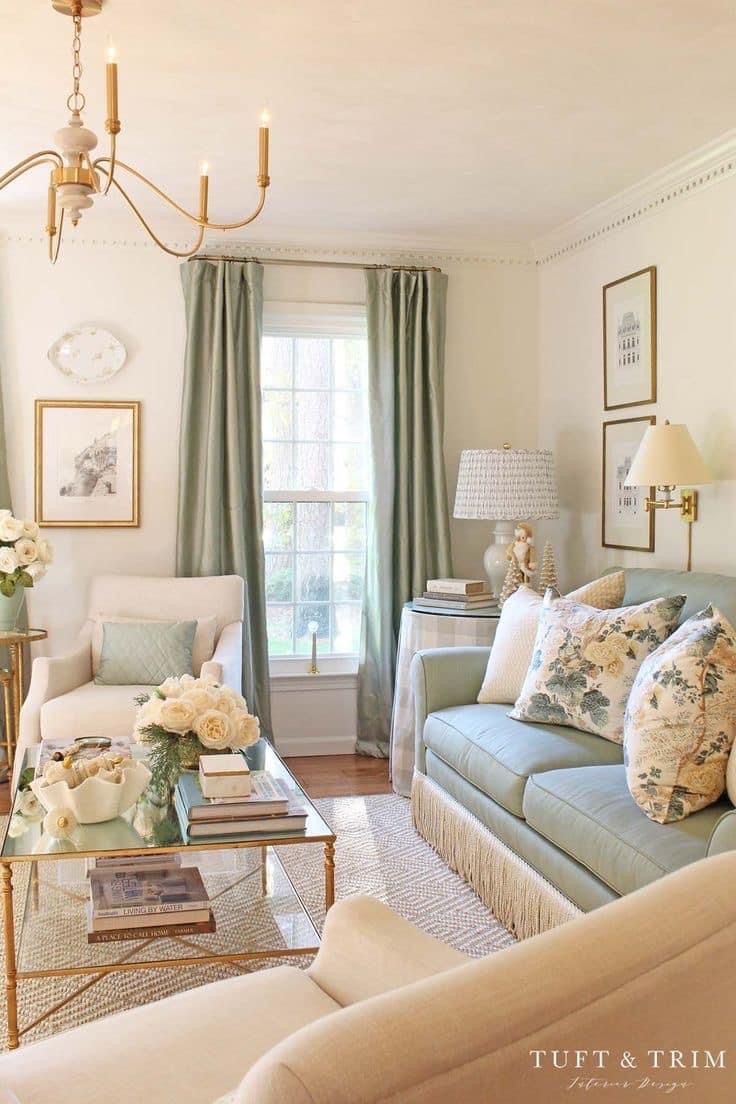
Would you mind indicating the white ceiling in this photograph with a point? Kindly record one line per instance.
(468, 122)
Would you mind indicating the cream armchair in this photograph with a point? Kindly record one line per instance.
(387, 1014)
(63, 699)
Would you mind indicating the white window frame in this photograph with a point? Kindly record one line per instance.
(291, 319)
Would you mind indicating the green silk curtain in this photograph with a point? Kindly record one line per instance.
(220, 516)
(408, 522)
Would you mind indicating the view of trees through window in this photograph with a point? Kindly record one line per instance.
(316, 477)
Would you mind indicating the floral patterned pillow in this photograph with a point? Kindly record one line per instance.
(585, 662)
(681, 720)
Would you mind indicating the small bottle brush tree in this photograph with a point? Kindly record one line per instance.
(512, 582)
(548, 571)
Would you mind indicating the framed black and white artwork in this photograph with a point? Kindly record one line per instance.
(625, 521)
(630, 340)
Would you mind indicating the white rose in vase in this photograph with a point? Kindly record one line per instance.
(171, 687)
(44, 550)
(177, 715)
(36, 571)
(201, 700)
(30, 529)
(246, 729)
(26, 551)
(8, 560)
(148, 714)
(214, 730)
(11, 529)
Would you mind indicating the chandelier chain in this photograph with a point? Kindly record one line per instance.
(76, 101)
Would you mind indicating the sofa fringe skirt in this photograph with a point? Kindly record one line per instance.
(517, 895)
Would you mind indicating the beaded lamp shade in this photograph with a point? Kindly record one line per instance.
(506, 484)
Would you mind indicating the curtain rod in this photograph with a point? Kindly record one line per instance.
(312, 264)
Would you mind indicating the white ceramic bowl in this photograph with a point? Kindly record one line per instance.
(95, 799)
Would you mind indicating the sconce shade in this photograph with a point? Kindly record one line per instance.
(667, 457)
(506, 485)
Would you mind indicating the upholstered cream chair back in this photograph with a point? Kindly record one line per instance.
(145, 596)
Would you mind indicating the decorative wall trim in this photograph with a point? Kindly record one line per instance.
(707, 165)
(376, 252)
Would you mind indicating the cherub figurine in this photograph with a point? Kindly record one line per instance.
(522, 550)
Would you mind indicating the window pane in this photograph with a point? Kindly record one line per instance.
(349, 421)
(312, 415)
(349, 468)
(312, 466)
(346, 628)
(312, 362)
(305, 615)
(280, 621)
(349, 361)
(279, 578)
(277, 415)
(347, 577)
(276, 466)
(313, 526)
(276, 362)
(313, 578)
(278, 526)
(348, 526)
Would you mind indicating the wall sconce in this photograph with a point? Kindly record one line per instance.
(668, 458)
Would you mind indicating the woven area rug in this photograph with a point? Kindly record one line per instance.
(378, 853)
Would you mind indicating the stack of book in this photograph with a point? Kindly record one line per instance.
(461, 596)
(269, 808)
(153, 898)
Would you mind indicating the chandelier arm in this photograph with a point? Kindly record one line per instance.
(150, 232)
(112, 159)
(54, 252)
(196, 219)
(43, 157)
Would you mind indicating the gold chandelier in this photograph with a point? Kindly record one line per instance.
(76, 180)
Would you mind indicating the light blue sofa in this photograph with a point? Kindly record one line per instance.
(553, 797)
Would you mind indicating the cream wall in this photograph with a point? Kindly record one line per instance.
(692, 241)
(135, 292)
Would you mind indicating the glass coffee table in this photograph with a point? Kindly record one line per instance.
(258, 912)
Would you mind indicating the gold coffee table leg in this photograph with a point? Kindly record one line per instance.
(6, 680)
(329, 875)
(6, 874)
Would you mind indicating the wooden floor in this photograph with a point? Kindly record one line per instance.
(340, 775)
(321, 776)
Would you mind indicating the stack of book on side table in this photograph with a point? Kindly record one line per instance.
(269, 808)
(144, 897)
(458, 596)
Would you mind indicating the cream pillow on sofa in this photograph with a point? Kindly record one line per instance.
(202, 649)
(585, 662)
(513, 644)
(681, 720)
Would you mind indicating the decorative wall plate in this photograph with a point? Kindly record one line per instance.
(88, 354)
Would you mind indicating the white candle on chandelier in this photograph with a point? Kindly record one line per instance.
(263, 132)
(204, 185)
(113, 123)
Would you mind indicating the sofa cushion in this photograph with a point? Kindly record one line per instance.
(149, 652)
(497, 754)
(187, 1049)
(590, 814)
(91, 710)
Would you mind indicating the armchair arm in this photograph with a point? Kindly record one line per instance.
(723, 836)
(51, 676)
(443, 677)
(367, 949)
(226, 664)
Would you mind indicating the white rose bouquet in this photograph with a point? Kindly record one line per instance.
(187, 717)
(24, 554)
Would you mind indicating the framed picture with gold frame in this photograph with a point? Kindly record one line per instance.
(630, 340)
(87, 464)
(625, 522)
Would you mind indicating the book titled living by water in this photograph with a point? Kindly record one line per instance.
(147, 891)
(268, 796)
(147, 927)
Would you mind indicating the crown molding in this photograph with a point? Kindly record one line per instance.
(369, 249)
(707, 165)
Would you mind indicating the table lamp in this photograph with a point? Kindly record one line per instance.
(508, 486)
(667, 458)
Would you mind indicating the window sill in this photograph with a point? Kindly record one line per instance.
(291, 673)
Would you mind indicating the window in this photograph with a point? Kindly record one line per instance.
(316, 476)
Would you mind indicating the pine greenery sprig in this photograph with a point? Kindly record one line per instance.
(168, 753)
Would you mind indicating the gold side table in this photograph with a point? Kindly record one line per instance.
(12, 679)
